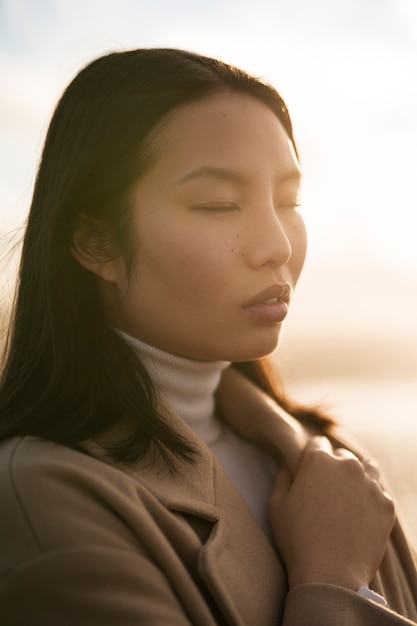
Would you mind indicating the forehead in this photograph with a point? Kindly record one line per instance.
(223, 129)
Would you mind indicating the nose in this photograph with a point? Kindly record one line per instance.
(270, 243)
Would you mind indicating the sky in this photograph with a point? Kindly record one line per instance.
(347, 70)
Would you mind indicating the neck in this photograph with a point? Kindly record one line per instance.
(187, 385)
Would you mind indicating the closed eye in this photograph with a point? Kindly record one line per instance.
(216, 207)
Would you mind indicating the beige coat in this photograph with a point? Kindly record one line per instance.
(83, 543)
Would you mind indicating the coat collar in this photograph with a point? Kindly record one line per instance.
(193, 487)
(237, 564)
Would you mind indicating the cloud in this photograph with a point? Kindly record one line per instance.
(346, 70)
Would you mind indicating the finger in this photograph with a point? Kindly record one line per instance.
(369, 465)
(346, 454)
(387, 495)
(319, 443)
(371, 468)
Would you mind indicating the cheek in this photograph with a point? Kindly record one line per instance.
(186, 262)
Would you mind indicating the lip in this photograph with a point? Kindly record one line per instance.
(280, 291)
(270, 305)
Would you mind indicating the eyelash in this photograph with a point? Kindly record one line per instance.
(289, 205)
(226, 208)
(216, 208)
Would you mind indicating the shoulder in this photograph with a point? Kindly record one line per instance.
(31, 468)
(82, 528)
(54, 498)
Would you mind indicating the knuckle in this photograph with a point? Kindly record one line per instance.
(316, 456)
(384, 499)
(388, 502)
(353, 466)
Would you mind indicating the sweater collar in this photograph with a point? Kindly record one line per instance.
(188, 386)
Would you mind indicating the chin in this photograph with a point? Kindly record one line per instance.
(256, 350)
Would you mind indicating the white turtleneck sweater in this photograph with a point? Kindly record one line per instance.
(189, 386)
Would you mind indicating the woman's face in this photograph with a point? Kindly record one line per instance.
(220, 243)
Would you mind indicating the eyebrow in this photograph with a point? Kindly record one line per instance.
(207, 171)
(222, 173)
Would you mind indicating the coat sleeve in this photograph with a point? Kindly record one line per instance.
(88, 587)
(95, 586)
(328, 605)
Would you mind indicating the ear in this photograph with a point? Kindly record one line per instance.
(91, 247)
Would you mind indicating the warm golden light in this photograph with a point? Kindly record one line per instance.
(347, 71)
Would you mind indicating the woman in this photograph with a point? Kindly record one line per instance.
(161, 252)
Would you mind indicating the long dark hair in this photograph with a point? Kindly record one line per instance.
(68, 376)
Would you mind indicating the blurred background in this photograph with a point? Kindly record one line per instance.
(347, 69)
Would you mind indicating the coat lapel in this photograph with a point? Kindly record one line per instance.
(220, 540)
(255, 416)
(235, 561)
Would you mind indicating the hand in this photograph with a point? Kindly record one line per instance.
(331, 523)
